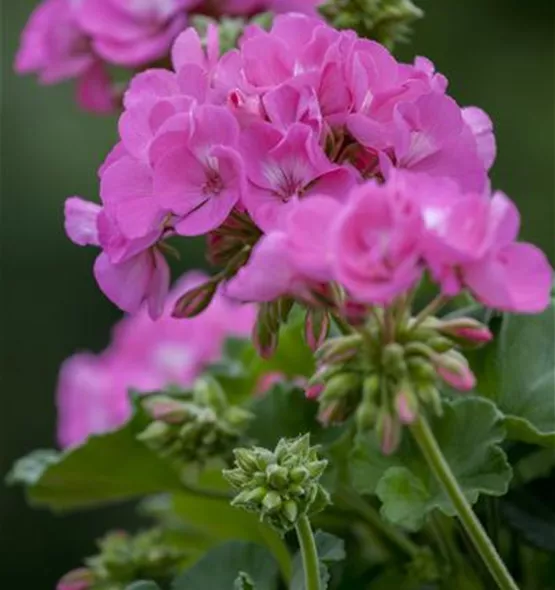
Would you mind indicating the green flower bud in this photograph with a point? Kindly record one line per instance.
(299, 475)
(440, 344)
(155, 434)
(272, 501)
(285, 486)
(291, 511)
(277, 476)
(208, 392)
(339, 350)
(339, 386)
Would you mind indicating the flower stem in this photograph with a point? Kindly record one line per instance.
(441, 470)
(344, 327)
(309, 554)
(434, 305)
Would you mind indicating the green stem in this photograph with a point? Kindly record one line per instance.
(432, 307)
(309, 554)
(441, 470)
(344, 327)
(352, 500)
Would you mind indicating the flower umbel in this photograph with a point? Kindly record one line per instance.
(281, 485)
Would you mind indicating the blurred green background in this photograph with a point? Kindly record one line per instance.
(498, 54)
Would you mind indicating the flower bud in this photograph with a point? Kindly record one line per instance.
(453, 369)
(272, 502)
(208, 392)
(277, 476)
(467, 330)
(316, 327)
(429, 394)
(286, 487)
(366, 415)
(80, 579)
(406, 405)
(155, 434)
(389, 432)
(245, 459)
(195, 301)
(314, 391)
(165, 408)
(339, 386)
(440, 344)
(421, 370)
(339, 350)
(393, 358)
(264, 339)
(370, 387)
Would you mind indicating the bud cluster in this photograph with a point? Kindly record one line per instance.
(383, 381)
(280, 485)
(196, 425)
(386, 21)
(123, 559)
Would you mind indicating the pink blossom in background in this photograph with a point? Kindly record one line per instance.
(144, 355)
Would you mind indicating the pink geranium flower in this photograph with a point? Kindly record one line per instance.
(376, 243)
(283, 167)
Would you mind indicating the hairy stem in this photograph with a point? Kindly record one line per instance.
(441, 470)
(309, 554)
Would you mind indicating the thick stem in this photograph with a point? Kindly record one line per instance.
(309, 554)
(441, 470)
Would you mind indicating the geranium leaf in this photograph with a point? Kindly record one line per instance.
(468, 433)
(517, 372)
(106, 468)
(222, 565)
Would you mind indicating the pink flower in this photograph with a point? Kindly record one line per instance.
(92, 398)
(94, 90)
(53, 45)
(283, 167)
(376, 243)
(482, 129)
(510, 276)
(132, 34)
(81, 221)
(297, 252)
(201, 179)
(144, 355)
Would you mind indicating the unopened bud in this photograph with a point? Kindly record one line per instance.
(366, 416)
(165, 408)
(272, 502)
(317, 468)
(429, 394)
(299, 475)
(339, 350)
(245, 459)
(277, 476)
(393, 358)
(195, 301)
(389, 432)
(291, 511)
(339, 386)
(453, 369)
(264, 339)
(370, 387)
(421, 370)
(467, 330)
(440, 344)
(155, 434)
(316, 327)
(208, 392)
(257, 495)
(80, 579)
(406, 405)
(314, 391)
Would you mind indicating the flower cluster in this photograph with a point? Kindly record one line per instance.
(145, 356)
(281, 485)
(385, 371)
(308, 157)
(80, 39)
(122, 559)
(195, 425)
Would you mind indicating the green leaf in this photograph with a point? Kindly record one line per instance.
(220, 567)
(331, 549)
(218, 521)
(143, 586)
(283, 411)
(241, 367)
(468, 433)
(28, 470)
(517, 372)
(106, 468)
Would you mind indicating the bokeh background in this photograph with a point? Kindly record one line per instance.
(498, 54)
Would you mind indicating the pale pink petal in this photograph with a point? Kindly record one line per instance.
(81, 221)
